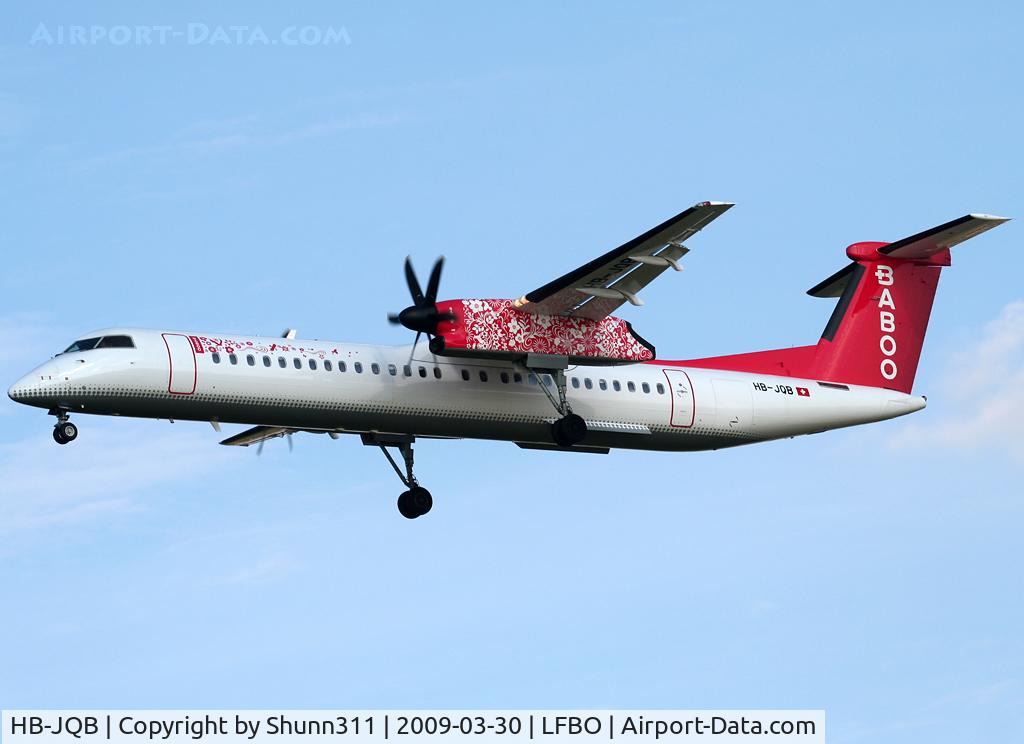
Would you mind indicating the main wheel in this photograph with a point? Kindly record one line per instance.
(569, 430)
(68, 431)
(421, 500)
(406, 507)
(58, 437)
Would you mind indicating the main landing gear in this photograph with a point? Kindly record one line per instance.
(416, 501)
(63, 431)
(571, 428)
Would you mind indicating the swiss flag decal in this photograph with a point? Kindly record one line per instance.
(804, 392)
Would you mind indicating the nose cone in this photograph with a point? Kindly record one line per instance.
(18, 392)
(38, 387)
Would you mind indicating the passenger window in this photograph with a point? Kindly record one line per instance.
(616, 386)
(575, 382)
(297, 363)
(312, 363)
(532, 378)
(115, 342)
(281, 362)
(407, 370)
(233, 358)
(250, 360)
(483, 376)
(588, 384)
(392, 370)
(437, 373)
(661, 389)
(342, 366)
(375, 368)
(465, 374)
(328, 366)
(602, 384)
(358, 367)
(516, 377)
(504, 377)
(215, 358)
(423, 371)
(631, 387)
(646, 387)
(266, 361)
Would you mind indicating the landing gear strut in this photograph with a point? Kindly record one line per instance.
(63, 431)
(571, 428)
(416, 501)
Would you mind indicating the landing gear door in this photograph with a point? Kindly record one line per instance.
(181, 357)
(681, 391)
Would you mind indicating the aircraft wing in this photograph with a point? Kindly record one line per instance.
(596, 289)
(255, 435)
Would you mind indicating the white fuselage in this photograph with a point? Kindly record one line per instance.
(339, 387)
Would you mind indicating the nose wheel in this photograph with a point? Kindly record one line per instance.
(64, 431)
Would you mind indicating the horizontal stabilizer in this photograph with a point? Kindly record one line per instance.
(921, 246)
(939, 238)
(834, 285)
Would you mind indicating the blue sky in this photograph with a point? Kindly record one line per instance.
(248, 188)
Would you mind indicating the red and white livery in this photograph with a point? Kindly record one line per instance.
(552, 370)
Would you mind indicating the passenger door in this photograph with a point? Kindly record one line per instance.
(181, 358)
(681, 391)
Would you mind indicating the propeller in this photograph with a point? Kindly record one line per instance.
(287, 435)
(422, 315)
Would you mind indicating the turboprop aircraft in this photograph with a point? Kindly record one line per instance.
(551, 370)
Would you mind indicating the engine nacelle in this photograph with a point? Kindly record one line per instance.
(496, 329)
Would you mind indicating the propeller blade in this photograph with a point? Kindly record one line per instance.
(414, 284)
(435, 281)
(412, 352)
(291, 444)
(259, 448)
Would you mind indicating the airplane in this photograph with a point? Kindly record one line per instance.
(552, 370)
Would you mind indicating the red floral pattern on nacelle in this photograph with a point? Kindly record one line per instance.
(497, 326)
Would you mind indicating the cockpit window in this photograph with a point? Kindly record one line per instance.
(83, 344)
(116, 342)
(101, 342)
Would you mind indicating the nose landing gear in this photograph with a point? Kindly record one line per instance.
(63, 431)
(417, 501)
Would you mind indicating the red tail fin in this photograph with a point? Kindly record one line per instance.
(875, 335)
(876, 331)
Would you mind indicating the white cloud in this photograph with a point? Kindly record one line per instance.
(985, 384)
(103, 472)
